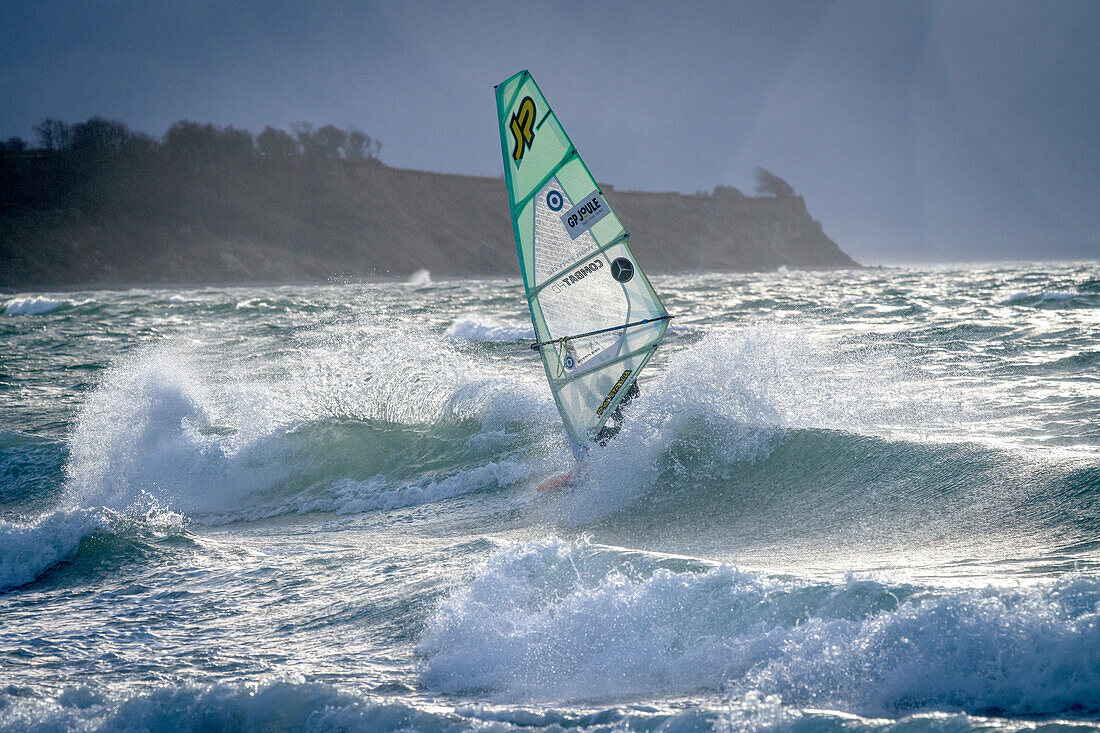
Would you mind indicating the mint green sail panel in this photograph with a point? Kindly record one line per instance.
(597, 318)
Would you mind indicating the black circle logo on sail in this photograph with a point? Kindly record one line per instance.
(622, 269)
(570, 362)
(555, 201)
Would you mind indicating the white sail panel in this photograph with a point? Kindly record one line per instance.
(556, 250)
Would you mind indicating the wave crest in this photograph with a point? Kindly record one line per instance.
(553, 620)
(38, 305)
(480, 329)
(28, 550)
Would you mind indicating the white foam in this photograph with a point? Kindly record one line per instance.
(743, 388)
(353, 497)
(28, 550)
(350, 496)
(552, 620)
(33, 306)
(420, 277)
(478, 328)
(1047, 295)
(1058, 295)
(274, 705)
(256, 304)
(175, 422)
(289, 703)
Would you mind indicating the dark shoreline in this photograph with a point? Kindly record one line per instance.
(8, 291)
(258, 220)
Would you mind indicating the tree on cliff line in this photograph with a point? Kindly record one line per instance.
(333, 143)
(769, 184)
(359, 145)
(276, 143)
(12, 147)
(97, 139)
(101, 165)
(198, 143)
(54, 134)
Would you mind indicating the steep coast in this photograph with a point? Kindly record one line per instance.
(296, 219)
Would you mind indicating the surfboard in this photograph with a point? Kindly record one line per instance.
(596, 316)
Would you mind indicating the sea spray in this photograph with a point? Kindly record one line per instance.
(420, 278)
(477, 328)
(156, 427)
(29, 549)
(553, 620)
(726, 400)
(166, 422)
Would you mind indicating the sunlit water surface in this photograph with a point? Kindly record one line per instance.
(849, 500)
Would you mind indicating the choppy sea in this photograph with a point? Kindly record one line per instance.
(857, 500)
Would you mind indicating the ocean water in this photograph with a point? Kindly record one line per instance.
(864, 500)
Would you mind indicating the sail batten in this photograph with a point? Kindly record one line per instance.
(639, 352)
(553, 172)
(538, 288)
(538, 344)
(596, 317)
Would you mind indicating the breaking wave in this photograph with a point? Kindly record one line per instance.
(292, 704)
(1056, 299)
(37, 305)
(28, 550)
(557, 621)
(342, 432)
(473, 328)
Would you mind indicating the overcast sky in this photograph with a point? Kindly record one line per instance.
(916, 131)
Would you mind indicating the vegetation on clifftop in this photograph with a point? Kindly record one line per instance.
(98, 204)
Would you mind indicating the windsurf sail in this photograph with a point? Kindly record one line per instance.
(597, 318)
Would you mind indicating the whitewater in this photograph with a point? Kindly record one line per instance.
(853, 500)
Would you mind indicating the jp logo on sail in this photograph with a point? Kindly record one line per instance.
(523, 128)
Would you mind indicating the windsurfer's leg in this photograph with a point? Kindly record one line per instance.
(607, 432)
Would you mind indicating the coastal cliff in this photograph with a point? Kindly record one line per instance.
(151, 221)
